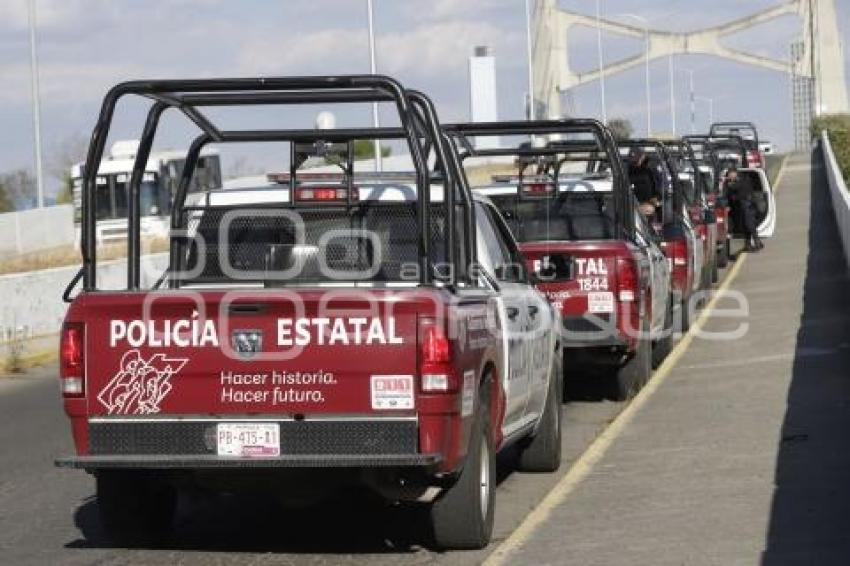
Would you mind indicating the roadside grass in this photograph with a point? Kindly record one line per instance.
(838, 127)
(69, 255)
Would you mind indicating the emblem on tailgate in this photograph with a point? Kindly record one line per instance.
(140, 385)
(246, 343)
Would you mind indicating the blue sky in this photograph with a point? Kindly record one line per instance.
(88, 45)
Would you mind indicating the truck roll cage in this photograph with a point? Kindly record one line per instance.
(602, 144)
(711, 143)
(724, 129)
(419, 127)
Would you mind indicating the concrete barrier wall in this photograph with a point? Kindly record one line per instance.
(36, 229)
(32, 305)
(839, 194)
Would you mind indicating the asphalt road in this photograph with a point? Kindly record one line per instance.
(49, 516)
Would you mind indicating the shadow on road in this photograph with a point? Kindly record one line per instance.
(810, 517)
(354, 521)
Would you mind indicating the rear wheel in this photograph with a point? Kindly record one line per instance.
(463, 517)
(684, 318)
(723, 255)
(630, 377)
(715, 272)
(135, 508)
(661, 347)
(542, 452)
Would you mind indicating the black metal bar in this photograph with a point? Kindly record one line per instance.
(88, 243)
(177, 207)
(335, 135)
(520, 127)
(201, 121)
(133, 212)
(291, 97)
(438, 143)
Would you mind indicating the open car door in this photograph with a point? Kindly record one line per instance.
(764, 199)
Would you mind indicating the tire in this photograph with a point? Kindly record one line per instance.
(661, 347)
(715, 272)
(684, 318)
(135, 509)
(462, 518)
(723, 255)
(630, 377)
(542, 452)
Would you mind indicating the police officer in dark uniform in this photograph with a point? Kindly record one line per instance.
(646, 182)
(740, 194)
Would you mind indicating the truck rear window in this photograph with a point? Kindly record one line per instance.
(569, 216)
(377, 242)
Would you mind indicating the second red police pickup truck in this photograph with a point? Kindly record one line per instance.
(569, 204)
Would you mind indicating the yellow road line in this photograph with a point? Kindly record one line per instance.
(597, 449)
(781, 174)
(585, 463)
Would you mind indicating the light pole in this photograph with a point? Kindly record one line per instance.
(36, 105)
(528, 52)
(710, 107)
(648, 77)
(672, 93)
(379, 161)
(690, 73)
(601, 64)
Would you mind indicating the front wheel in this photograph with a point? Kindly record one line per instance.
(462, 518)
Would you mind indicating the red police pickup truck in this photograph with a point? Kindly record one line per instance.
(569, 204)
(332, 324)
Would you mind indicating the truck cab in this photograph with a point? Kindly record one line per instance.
(569, 205)
(680, 224)
(313, 332)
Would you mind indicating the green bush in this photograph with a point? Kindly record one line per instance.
(838, 126)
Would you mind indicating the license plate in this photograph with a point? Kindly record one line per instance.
(248, 440)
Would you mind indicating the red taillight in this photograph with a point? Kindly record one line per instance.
(677, 252)
(538, 189)
(72, 363)
(435, 368)
(627, 280)
(754, 158)
(324, 194)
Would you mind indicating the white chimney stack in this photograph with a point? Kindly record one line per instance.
(482, 92)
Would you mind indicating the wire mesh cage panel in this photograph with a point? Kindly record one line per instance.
(374, 242)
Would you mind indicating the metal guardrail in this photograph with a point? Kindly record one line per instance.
(839, 194)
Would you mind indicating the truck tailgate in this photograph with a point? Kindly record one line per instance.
(268, 352)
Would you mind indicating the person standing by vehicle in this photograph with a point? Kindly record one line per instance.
(740, 193)
(646, 182)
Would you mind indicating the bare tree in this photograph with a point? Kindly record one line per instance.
(17, 190)
(67, 153)
(621, 128)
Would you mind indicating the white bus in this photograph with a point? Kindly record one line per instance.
(159, 184)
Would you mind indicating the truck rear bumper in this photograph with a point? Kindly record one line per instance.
(199, 462)
(600, 331)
